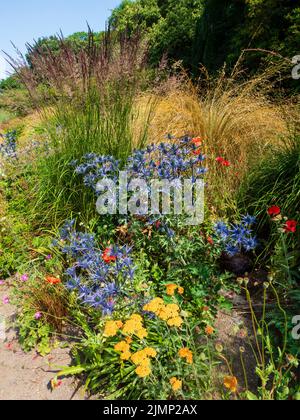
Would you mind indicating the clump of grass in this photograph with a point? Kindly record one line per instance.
(236, 118)
(89, 103)
(275, 180)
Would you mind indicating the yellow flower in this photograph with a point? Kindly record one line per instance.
(173, 310)
(154, 306)
(175, 322)
(171, 289)
(136, 318)
(163, 314)
(176, 384)
(231, 383)
(141, 333)
(143, 370)
(122, 346)
(126, 355)
(140, 356)
(185, 353)
(150, 352)
(111, 328)
(128, 340)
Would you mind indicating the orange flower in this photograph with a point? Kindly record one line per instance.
(197, 141)
(176, 384)
(186, 353)
(231, 383)
(171, 289)
(53, 280)
(209, 330)
(181, 290)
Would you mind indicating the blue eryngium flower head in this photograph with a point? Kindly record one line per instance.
(231, 250)
(95, 277)
(249, 220)
(238, 237)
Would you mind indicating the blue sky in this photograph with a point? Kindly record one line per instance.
(25, 20)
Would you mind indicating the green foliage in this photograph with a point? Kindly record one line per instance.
(16, 101)
(228, 28)
(10, 82)
(275, 180)
(170, 26)
(33, 333)
(105, 372)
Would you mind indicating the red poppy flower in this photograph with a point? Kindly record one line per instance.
(291, 226)
(223, 162)
(226, 163)
(274, 211)
(197, 152)
(107, 257)
(53, 280)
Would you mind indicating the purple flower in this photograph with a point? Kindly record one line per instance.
(38, 316)
(24, 277)
(5, 300)
(49, 257)
(2, 282)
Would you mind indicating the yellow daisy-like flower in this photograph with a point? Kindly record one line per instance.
(171, 289)
(122, 346)
(126, 356)
(143, 370)
(231, 383)
(163, 314)
(173, 310)
(186, 354)
(137, 318)
(154, 306)
(150, 352)
(175, 322)
(141, 333)
(176, 384)
(111, 328)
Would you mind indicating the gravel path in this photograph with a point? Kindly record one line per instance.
(27, 376)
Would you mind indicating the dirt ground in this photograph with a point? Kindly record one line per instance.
(27, 376)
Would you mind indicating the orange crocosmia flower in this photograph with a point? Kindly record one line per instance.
(209, 330)
(171, 289)
(53, 280)
(231, 383)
